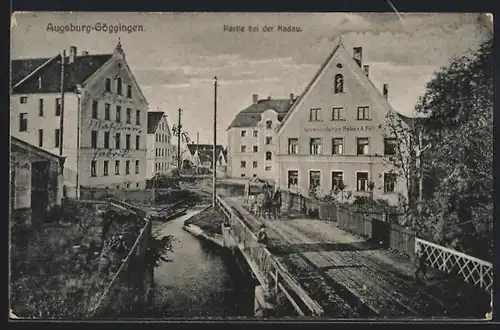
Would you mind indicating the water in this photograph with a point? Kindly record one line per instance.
(203, 280)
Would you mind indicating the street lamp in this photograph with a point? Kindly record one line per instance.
(78, 93)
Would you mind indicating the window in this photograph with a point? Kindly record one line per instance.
(269, 155)
(339, 83)
(293, 179)
(117, 167)
(255, 149)
(363, 113)
(127, 167)
(93, 168)
(338, 113)
(129, 114)
(23, 122)
(337, 179)
(107, 111)
(106, 168)
(362, 146)
(268, 168)
(23, 99)
(389, 182)
(108, 85)
(293, 146)
(118, 113)
(243, 133)
(58, 106)
(338, 146)
(127, 141)
(269, 140)
(93, 140)
(157, 137)
(255, 133)
(40, 107)
(117, 140)
(129, 91)
(136, 167)
(254, 164)
(106, 140)
(95, 110)
(315, 114)
(361, 181)
(243, 148)
(119, 86)
(390, 145)
(137, 142)
(243, 164)
(242, 175)
(138, 117)
(57, 137)
(315, 146)
(314, 179)
(269, 124)
(40, 137)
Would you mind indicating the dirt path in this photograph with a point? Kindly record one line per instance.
(387, 278)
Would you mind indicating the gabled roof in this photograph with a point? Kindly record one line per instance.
(358, 72)
(251, 116)
(154, 118)
(14, 141)
(205, 148)
(25, 73)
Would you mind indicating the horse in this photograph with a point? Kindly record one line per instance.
(265, 205)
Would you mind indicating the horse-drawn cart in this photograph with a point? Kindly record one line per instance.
(262, 196)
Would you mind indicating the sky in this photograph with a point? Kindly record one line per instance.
(174, 56)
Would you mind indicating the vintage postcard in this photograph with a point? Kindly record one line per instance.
(256, 165)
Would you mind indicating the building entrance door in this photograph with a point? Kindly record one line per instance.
(39, 189)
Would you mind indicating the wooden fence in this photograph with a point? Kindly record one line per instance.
(267, 269)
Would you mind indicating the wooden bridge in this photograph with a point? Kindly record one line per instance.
(321, 270)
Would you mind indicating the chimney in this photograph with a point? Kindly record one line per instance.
(255, 98)
(85, 53)
(292, 97)
(366, 69)
(72, 54)
(386, 91)
(358, 55)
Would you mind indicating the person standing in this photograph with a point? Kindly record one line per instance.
(421, 265)
(262, 235)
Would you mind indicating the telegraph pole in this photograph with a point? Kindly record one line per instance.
(197, 151)
(179, 128)
(214, 155)
(61, 105)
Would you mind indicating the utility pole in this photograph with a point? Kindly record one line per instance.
(197, 151)
(214, 155)
(61, 105)
(179, 128)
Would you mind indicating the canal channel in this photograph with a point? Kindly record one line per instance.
(202, 280)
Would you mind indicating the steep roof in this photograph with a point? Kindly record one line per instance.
(251, 115)
(371, 89)
(25, 73)
(154, 118)
(205, 148)
(16, 142)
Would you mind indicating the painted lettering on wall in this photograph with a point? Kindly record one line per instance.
(102, 125)
(345, 128)
(112, 153)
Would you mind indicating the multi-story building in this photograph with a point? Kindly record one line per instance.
(337, 132)
(159, 144)
(99, 125)
(252, 145)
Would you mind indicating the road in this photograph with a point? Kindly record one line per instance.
(351, 277)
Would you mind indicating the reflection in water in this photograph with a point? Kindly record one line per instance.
(201, 281)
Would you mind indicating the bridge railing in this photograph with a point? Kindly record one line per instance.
(269, 271)
(475, 271)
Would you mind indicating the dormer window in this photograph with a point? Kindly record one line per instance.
(269, 124)
(108, 85)
(339, 83)
(39, 82)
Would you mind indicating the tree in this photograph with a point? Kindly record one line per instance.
(458, 167)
